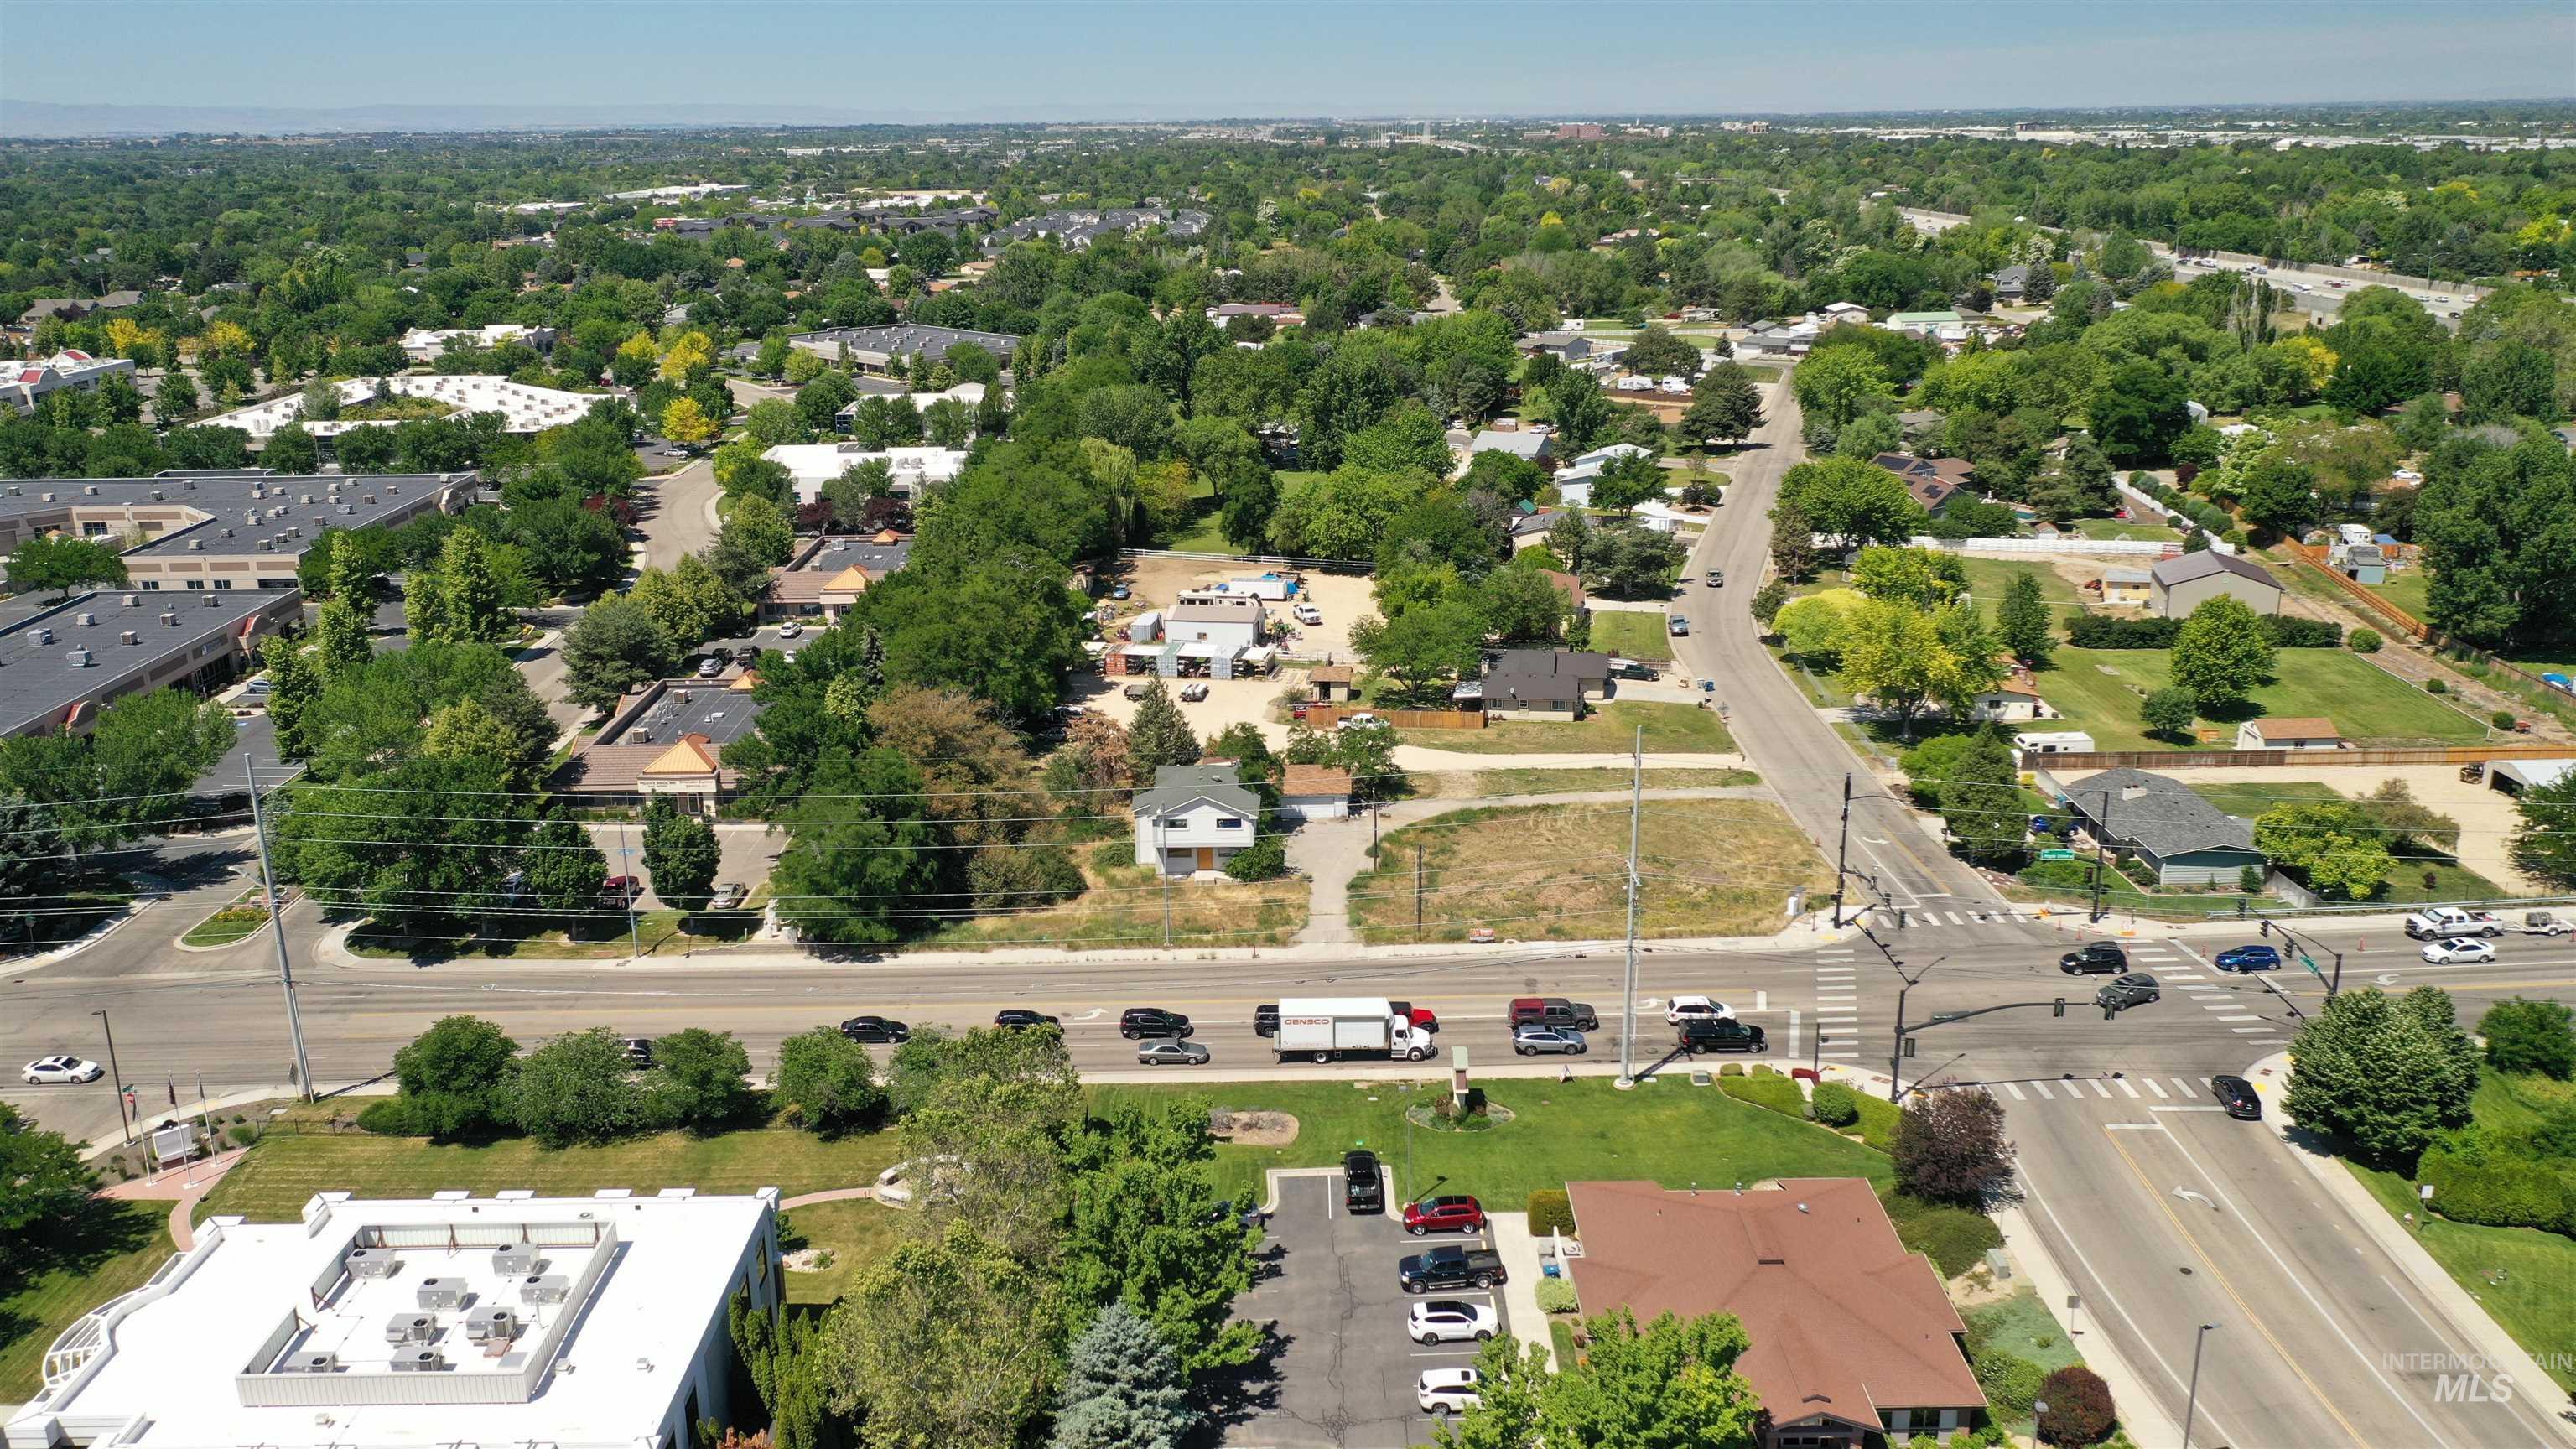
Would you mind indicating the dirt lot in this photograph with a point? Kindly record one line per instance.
(1228, 701)
(1156, 582)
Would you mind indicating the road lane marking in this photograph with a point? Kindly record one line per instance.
(2125, 1087)
(2249, 1030)
(2015, 1092)
(2100, 1090)
(2158, 1090)
(2042, 1089)
(2186, 1109)
(2188, 1089)
(2248, 1016)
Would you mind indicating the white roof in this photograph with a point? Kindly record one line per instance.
(523, 408)
(814, 464)
(646, 1278)
(2533, 774)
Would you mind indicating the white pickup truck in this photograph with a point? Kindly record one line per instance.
(2445, 922)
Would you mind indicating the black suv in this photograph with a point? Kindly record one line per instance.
(1143, 1021)
(2095, 958)
(1265, 1019)
(1018, 1017)
(1363, 1189)
(875, 1028)
(1718, 1034)
(2237, 1095)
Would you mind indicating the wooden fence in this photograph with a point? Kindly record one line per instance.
(2225, 759)
(1326, 716)
(2404, 622)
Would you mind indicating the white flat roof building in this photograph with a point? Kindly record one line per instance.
(512, 1320)
(523, 408)
(425, 344)
(811, 465)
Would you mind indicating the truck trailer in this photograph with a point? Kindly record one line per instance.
(1327, 1028)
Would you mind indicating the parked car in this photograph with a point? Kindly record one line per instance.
(1455, 1212)
(1631, 669)
(2458, 948)
(1356, 721)
(620, 891)
(1450, 1268)
(2248, 958)
(1718, 1034)
(728, 896)
(875, 1029)
(260, 687)
(1265, 1019)
(1135, 691)
(1529, 1041)
(1451, 1320)
(2237, 1095)
(790, 629)
(60, 1071)
(1247, 1213)
(1695, 1008)
(1171, 1054)
(2094, 958)
(1145, 1021)
(2130, 988)
(1308, 614)
(710, 667)
(1363, 1186)
(1122, 592)
(1446, 1391)
(1678, 625)
(1017, 1017)
(639, 1053)
(1193, 693)
(1554, 1011)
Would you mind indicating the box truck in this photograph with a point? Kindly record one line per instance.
(1326, 1028)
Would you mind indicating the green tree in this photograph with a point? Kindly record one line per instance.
(457, 1078)
(460, 599)
(688, 600)
(1626, 481)
(761, 529)
(2333, 844)
(1147, 1230)
(774, 420)
(701, 1081)
(393, 844)
(1925, 578)
(684, 422)
(1726, 405)
(1656, 352)
(1981, 802)
(1850, 499)
(860, 853)
(1582, 414)
(2383, 1072)
(577, 1088)
(946, 1339)
(1672, 1384)
(2169, 712)
(616, 646)
(2278, 493)
(294, 685)
(44, 1190)
(826, 1082)
(566, 869)
(31, 858)
(1124, 1388)
(342, 640)
(1424, 648)
(292, 450)
(1159, 735)
(2526, 1036)
(1905, 659)
(681, 855)
(1837, 384)
(2543, 845)
(2022, 621)
(2137, 413)
(2222, 654)
(61, 563)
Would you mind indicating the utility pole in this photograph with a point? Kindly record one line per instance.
(116, 1079)
(1628, 1002)
(2191, 1401)
(277, 932)
(1417, 892)
(2099, 836)
(626, 892)
(1842, 853)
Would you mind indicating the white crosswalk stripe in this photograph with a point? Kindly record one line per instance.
(2014, 1092)
(2042, 1089)
(2152, 1086)
(2125, 1087)
(2188, 1089)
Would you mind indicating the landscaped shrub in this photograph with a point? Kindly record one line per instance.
(2502, 719)
(1264, 859)
(2363, 641)
(1779, 1094)
(2108, 631)
(1878, 1121)
(2079, 1407)
(1556, 1295)
(2057, 875)
(1549, 1212)
(2435, 686)
(2477, 1180)
(2289, 631)
(1955, 1239)
(2011, 1383)
(1731, 1069)
(1834, 1104)
(391, 1116)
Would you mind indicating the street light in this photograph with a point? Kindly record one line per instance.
(2191, 1401)
(115, 1078)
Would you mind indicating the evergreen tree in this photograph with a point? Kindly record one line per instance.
(1158, 735)
(681, 854)
(294, 682)
(2383, 1072)
(1981, 804)
(872, 663)
(1123, 1388)
(2021, 618)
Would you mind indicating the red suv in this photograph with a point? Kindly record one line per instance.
(1444, 1214)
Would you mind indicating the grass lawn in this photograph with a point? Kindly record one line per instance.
(1668, 1131)
(1988, 578)
(1554, 872)
(2121, 528)
(2099, 689)
(2251, 798)
(1125, 905)
(1553, 782)
(225, 926)
(2408, 589)
(1632, 635)
(2022, 1326)
(854, 1230)
(120, 1245)
(274, 1179)
(1672, 729)
(2523, 1277)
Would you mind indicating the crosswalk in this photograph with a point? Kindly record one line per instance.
(1890, 918)
(1838, 1003)
(2246, 1011)
(2183, 1090)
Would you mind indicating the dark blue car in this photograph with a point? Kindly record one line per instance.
(2249, 958)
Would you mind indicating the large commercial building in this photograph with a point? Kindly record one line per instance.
(210, 564)
(524, 408)
(512, 1320)
(26, 384)
(873, 349)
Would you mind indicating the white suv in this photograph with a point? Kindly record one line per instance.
(1447, 1390)
(1449, 1320)
(1696, 1008)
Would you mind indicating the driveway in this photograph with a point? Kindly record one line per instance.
(746, 851)
(676, 520)
(1346, 1370)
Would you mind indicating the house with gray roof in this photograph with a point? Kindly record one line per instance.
(1195, 819)
(2180, 584)
(2157, 819)
(1535, 447)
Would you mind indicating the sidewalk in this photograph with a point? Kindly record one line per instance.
(1520, 1287)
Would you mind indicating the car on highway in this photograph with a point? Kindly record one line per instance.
(1171, 1054)
(876, 1029)
(2248, 958)
(2458, 948)
(2237, 1095)
(1446, 1391)
(1363, 1185)
(1145, 1021)
(1423, 1018)
(1529, 1041)
(2441, 299)
(1695, 1008)
(1452, 1213)
(2130, 988)
(60, 1070)
(1553, 1011)
(1265, 1019)
(1451, 1320)
(1719, 1035)
(1678, 625)
(2094, 958)
(1017, 1018)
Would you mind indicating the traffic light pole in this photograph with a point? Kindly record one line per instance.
(2305, 946)
(2056, 1007)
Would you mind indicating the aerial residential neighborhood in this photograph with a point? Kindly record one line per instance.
(1730, 726)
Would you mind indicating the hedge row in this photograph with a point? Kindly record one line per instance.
(1780, 1094)
(2110, 631)
(2474, 1181)
(2212, 520)
(1549, 1212)
(1954, 1238)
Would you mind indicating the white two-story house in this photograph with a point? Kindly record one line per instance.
(1194, 819)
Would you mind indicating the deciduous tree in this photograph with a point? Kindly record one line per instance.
(2383, 1072)
(826, 1082)
(2222, 654)
(457, 1078)
(1950, 1147)
(681, 855)
(614, 647)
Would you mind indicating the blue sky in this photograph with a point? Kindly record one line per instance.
(961, 59)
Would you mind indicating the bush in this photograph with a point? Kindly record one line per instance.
(2288, 631)
(2476, 1181)
(2108, 631)
(2079, 1407)
(577, 1088)
(1955, 1239)
(1777, 1094)
(1549, 1212)
(1834, 1104)
(1878, 1121)
(2057, 875)
(2435, 686)
(699, 1081)
(1731, 1069)
(2363, 641)
(2011, 1383)
(1264, 859)
(1556, 1295)
(391, 1117)
(2523, 1035)
(2502, 719)
(826, 1082)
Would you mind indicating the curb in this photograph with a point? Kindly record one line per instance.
(66, 951)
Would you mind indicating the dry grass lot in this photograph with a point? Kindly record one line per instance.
(1126, 907)
(1671, 729)
(1488, 784)
(1555, 872)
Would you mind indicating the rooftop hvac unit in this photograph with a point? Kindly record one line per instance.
(418, 1361)
(304, 498)
(317, 1361)
(259, 490)
(169, 618)
(516, 1262)
(544, 1288)
(348, 508)
(438, 1295)
(491, 1322)
(132, 600)
(196, 545)
(228, 533)
(392, 492)
(294, 533)
(405, 1328)
(158, 496)
(129, 637)
(370, 497)
(80, 659)
(214, 601)
(370, 1262)
(268, 545)
(45, 497)
(91, 490)
(85, 619)
(44, 636)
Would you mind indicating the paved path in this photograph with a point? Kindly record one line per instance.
(183, 1187)
(830, 1194)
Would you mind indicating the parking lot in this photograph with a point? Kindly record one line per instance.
(1347, 1369)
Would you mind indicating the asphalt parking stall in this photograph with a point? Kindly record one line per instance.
(1347, 1368)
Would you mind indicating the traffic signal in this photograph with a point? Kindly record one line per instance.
(2267, 930)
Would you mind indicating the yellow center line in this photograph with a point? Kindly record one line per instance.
(2229, 1289)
